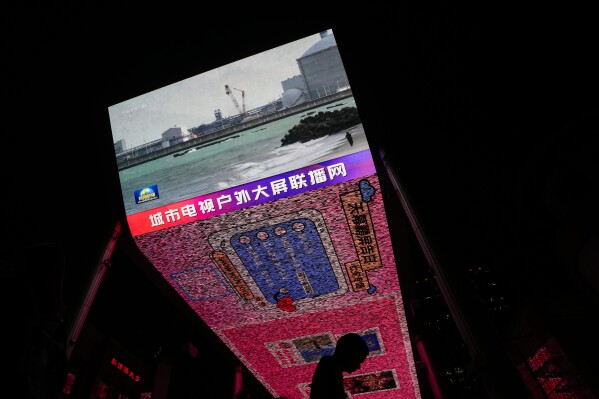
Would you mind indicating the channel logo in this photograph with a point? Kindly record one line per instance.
(146, 194)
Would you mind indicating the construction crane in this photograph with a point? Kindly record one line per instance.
(241, 109)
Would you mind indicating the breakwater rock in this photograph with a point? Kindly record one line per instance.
(322, 124)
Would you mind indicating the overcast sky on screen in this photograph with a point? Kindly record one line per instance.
(192, 102)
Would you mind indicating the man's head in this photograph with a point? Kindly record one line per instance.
(350, 352)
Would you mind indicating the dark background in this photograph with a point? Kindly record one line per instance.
(488, 112)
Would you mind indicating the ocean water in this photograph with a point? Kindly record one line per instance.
(247, 156)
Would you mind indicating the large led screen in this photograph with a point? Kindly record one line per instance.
(251, 188)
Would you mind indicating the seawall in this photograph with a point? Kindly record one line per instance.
(220, 134)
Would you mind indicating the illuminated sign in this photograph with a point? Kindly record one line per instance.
(129, 372)
(279, 244)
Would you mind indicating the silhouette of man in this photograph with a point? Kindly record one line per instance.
(349, 138)
(327, 381)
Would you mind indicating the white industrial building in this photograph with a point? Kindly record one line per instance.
(176, 135)
(321, 73)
